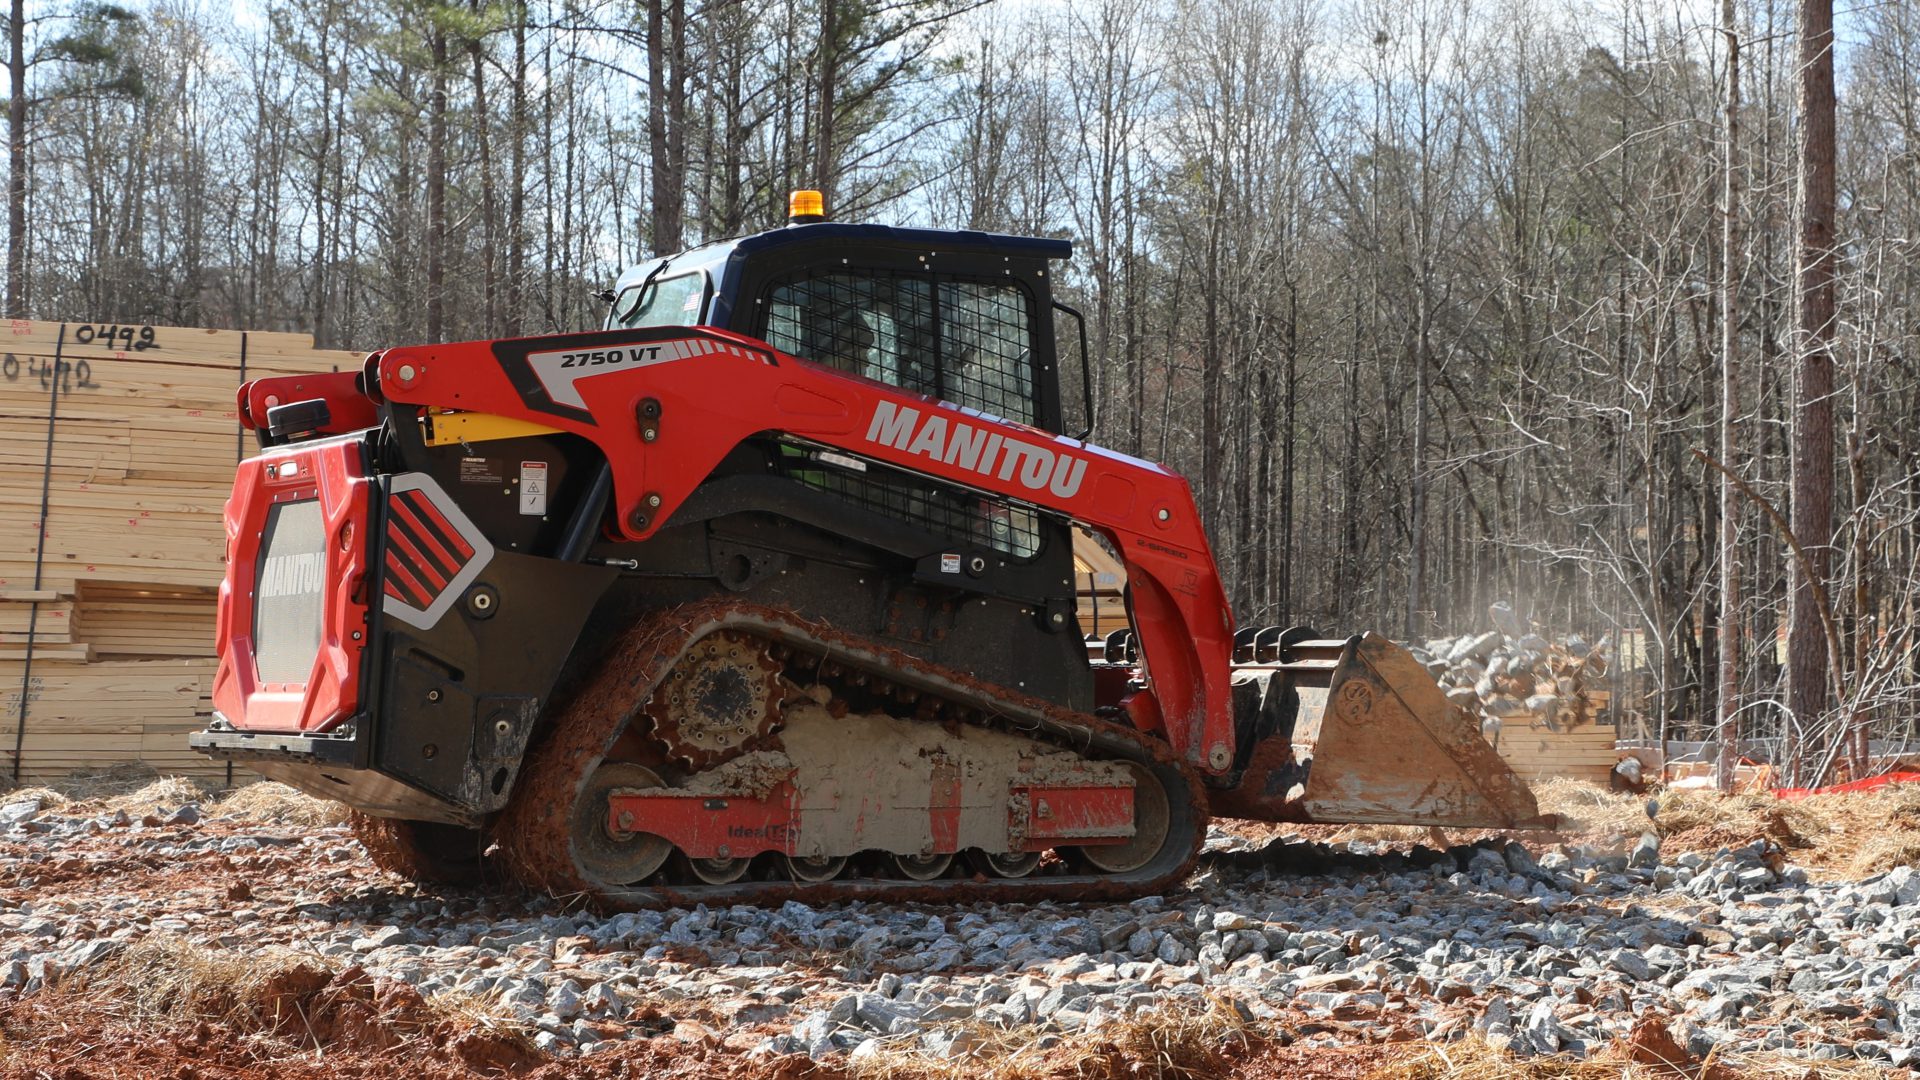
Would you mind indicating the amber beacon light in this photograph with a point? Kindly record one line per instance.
(806, 206)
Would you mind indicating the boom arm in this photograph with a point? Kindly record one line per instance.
(666, 405)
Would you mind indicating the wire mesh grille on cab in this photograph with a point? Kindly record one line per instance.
(967, 342)
(963, 516)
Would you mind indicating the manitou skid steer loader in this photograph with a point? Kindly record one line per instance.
(766, 590)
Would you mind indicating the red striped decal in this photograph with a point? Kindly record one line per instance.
(409, 512)
(446, 527)
(397, 571)
(403, 541)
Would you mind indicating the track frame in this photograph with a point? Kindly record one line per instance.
(534, 831)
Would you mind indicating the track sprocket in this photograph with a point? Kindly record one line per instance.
(724, 694)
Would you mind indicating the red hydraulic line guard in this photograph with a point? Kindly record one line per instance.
(715, 389)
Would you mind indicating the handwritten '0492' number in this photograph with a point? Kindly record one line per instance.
(131, 338)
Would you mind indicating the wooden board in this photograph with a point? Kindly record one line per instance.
(1586, 752)
(124, 567)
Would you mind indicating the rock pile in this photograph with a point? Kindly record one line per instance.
(1512, 674)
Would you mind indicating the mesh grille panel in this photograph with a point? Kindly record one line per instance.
(287, 591)
(967, 342)
(963, 516)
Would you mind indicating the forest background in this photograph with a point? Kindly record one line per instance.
(1438, 303)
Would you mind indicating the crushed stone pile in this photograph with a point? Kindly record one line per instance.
(1513, 674)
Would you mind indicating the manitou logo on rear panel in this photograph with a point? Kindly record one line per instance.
(293, 575)
(959, 443)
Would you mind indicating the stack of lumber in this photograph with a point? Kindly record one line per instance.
(106, 615)
(1101, 582)
(1536, 752)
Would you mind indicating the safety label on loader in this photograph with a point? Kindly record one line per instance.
(533, 488)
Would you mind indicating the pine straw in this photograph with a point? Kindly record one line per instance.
(95, 786)
(166, 793)
(167, 979)
(1169, 1043)
(1476, 1059)
(47, 796)
(1854, 834)
(271, 801)
(136, 791)
(163, 977)
(1850, 835)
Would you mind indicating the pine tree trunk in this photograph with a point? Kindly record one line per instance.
(17, 161)
(516, 180)
(829, 69)
(482, 121)
(1812, 457)
(1730, 266)
(437, 189)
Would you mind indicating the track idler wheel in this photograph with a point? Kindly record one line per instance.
(605, 855)
(1150, 822)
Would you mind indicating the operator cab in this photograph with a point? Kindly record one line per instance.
(965, 317)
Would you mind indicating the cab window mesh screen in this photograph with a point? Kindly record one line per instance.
(955, 513)
(961, 341)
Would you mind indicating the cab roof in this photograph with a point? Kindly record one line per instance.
(856, 236)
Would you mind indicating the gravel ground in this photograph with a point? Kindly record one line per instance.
(1544, 951)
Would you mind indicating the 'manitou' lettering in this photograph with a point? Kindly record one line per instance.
(956, 442)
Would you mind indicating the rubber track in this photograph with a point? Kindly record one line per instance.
(396, 847)
(535, 838)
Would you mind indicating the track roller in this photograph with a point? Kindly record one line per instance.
(921, 867)
(718, 871)
(815, 868)
(1011, 865)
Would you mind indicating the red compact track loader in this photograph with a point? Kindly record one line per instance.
(766, 590)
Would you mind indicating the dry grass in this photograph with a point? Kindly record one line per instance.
(1587, 807)
(274, 802)
(1475, 1059)
(168, 979)
(1168, 1044)
(47, 796)
(91, 787)
(162, 977)
(168, 792)
(1855, 834)
(1397, 835)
